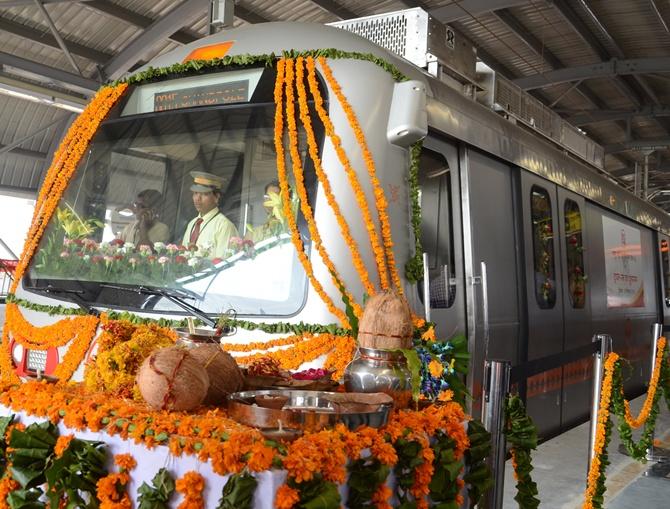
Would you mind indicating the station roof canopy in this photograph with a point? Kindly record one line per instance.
(604, 65)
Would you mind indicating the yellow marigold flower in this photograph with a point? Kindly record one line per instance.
(125, 461)
(436, 368)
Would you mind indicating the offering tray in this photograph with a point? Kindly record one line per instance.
(307, 410)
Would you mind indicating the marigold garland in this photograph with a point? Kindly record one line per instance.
(378, 192)
(78, 331)
(7, 485)
(290, 79)
(636, 422)
(596, 476)
(64, 164)
(312, 145)
(191, 487)
(111, 490)
(359, 194)
(285, 193)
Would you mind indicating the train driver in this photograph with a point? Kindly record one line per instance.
(210, 231)
(146, 229)
(275, 221)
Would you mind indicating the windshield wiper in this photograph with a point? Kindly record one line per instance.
(175, 296)
(75, 296)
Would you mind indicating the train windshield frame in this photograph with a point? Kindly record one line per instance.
(127, 218)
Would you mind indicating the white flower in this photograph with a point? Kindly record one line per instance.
(65, 254)
(159, 246)
(192, 262)
(86, 258)
(128, 246)
(163, 260)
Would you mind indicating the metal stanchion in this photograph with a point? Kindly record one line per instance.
(656, 454)
(598, 360)
(496, 387)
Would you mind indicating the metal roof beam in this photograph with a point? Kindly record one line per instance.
(139, 20)
(656, 144)
(524, 35)
(249, 16)
(335, 9)
(59, 39)
(663, 20)
(614, 67)
(23, 152)
(49, 41)
(157, 31)
(411, 4)
(467, 8)
(585, 117)
(64, 78)
(29, 3)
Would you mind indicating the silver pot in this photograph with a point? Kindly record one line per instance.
(374, 370)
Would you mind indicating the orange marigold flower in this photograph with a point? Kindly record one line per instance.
(191, 486)
(125, 461)
(286, 497)
(445, 395)
(62, 444)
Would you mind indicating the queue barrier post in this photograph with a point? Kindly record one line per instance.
(599, 357)
(496, 388)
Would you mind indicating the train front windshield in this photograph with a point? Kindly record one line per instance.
(128, 217)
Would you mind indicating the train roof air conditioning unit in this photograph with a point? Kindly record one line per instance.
(504, 96)
(422, 40)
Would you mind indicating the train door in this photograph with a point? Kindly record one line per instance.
(664, 271)
(544, 297)
(577, 376)
(441, 236)
(490, 249)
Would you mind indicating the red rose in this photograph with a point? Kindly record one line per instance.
(217, 260)
(180, 259)
(97, 258)
(151, 258)
(116, 242)
(118, 257)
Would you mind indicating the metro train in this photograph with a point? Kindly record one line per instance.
(531, 250)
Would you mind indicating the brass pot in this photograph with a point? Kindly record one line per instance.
(375, 370)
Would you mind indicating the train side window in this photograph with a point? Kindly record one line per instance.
(665, 261)
(574, 252)
(437, 232)
(543, 248)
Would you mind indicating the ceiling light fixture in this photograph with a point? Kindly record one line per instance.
(56, 102)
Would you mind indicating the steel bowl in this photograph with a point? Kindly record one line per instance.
(304, 410)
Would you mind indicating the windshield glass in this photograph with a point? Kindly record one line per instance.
(184, 199)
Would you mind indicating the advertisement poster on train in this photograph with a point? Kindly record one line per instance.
(623, 265)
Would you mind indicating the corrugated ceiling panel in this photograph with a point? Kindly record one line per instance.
(634, 27)
(544, 22)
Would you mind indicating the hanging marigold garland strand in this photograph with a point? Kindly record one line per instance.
(595, 484)
(306, 120)
(299, 177)
(636, 422)
(370, 226)
(65, 162)
(380, 198)
(286, 198)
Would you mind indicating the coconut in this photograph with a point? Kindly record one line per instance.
(386, 323)
(225, 376)
(172, 379)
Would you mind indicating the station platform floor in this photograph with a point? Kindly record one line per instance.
(560, 471)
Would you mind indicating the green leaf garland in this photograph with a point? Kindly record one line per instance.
(238, 492)
(521, 433)
(158, 494)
